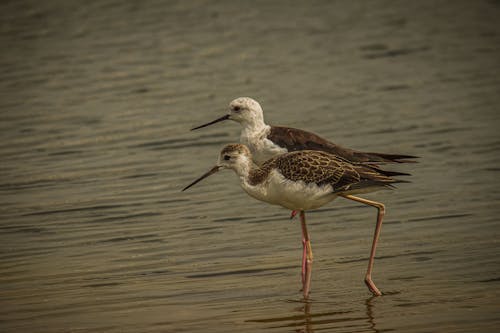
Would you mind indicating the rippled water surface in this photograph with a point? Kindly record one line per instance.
(97, 99)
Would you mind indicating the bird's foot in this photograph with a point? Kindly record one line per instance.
(371, 286)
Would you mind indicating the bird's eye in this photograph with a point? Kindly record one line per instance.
(236, 108)
(227, 157)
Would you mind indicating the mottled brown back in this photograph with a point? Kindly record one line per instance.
(322, 168)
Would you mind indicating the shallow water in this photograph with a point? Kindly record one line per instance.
(97, 99)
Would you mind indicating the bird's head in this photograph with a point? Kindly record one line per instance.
(233, 156)
(243, 110)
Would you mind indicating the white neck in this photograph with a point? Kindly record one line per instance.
(253, 122)
(253, 130)
(243, 167)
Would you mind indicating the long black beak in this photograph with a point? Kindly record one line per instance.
(210, 172)
(226, 117)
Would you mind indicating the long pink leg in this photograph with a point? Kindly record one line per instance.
(307, 256)
(304, 261)
(381, 212)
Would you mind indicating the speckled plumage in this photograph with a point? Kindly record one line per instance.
(321, 168)
(305, 180)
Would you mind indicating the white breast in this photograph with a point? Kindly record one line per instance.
(292, 195)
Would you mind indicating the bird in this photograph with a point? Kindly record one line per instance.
(266, 141)
(305, 180)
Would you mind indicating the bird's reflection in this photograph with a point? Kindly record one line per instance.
(303, 319)
(308, 322)
(308, 319)
(370, 314)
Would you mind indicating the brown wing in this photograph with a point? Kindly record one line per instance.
(294, 139)
(323, 168)
(317, 167)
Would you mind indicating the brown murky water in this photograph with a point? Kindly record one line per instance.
(97, 99)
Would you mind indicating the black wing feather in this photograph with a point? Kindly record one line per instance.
(294, 139)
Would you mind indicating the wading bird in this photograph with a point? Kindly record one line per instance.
(305, 180)
(267, 141)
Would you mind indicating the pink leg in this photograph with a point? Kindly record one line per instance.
(307, 256)
(292, 215)
(304, 261)
(381, 212)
